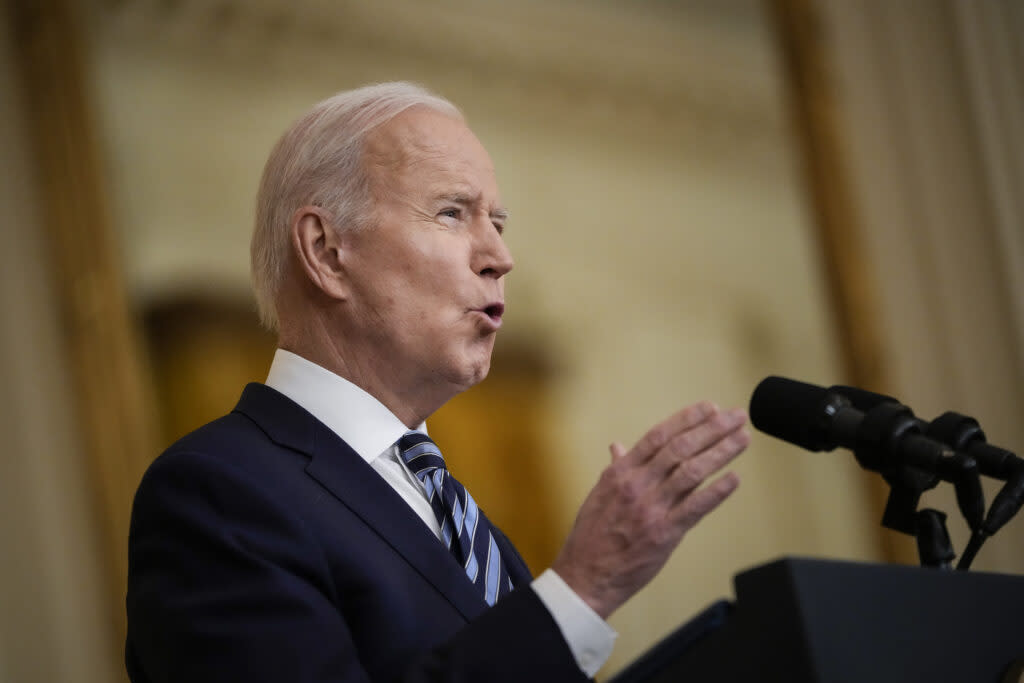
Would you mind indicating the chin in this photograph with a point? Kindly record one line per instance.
(472, 372)
(468, 367)
(481, 374)
(477, 374)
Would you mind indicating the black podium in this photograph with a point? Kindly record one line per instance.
(816, 621)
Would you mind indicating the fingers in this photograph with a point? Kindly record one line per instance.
(707, 441)
(698, 503)
(700, 436)
(662, 433)
(647, 500)
(690, 472)
(617, 451)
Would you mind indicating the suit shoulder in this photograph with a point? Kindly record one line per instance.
(222, 431)
(232, 443)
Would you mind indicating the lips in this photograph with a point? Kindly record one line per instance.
(493, 312)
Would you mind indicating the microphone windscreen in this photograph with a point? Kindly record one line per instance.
(792, 411)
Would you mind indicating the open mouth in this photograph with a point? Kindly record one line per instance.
(494, 311)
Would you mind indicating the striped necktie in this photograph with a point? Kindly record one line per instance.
(465, 530)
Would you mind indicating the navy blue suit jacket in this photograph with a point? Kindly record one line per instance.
(263, 548)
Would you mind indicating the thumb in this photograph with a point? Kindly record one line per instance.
(617, 450)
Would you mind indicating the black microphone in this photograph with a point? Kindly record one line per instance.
(885, 437)
(1006, 504)
(964, 434)
(820, 419)
(959, 432)
(804, 414)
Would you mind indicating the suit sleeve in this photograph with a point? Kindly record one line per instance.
(227, 584)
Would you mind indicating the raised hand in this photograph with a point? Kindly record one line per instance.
(646, 501)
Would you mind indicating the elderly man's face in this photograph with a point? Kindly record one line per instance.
(427, 276)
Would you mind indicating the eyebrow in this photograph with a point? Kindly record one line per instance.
(462, 199)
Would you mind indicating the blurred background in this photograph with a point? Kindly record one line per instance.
(703, 193)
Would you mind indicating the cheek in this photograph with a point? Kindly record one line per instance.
(432, 286)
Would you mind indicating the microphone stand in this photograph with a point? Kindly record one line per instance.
(927, 526)
(933, 544)
(962, 433)
(882, 447)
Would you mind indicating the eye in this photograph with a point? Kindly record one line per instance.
(500, 227)
(450, 213)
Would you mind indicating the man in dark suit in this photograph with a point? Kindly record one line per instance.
(298, 539)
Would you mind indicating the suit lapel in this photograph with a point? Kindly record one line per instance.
(356, 485)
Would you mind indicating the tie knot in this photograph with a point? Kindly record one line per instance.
(420, 453)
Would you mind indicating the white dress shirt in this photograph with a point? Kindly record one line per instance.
(365, 424)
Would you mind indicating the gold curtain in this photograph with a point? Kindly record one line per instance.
(818, 121)
(107, 382)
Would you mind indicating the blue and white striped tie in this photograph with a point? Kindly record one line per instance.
(465, 530)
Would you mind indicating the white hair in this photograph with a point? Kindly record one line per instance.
(319, 161)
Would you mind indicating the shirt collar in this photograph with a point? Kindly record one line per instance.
(363, 422)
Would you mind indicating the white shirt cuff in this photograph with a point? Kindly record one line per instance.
(590, 638)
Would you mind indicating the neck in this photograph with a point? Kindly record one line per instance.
(411, 401)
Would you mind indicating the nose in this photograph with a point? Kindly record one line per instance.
(492, 256)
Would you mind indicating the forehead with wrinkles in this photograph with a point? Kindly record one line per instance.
(404, 139)
(421, 139)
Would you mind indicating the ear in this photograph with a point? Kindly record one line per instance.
(318, 250)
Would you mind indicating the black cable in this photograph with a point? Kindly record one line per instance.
(973, 546)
